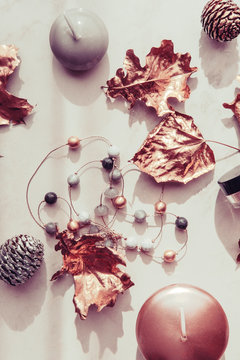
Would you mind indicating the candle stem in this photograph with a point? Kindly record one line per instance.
(183, 325)
(70, 23)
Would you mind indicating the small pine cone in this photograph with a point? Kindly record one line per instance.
(221, 20)
(20, 258)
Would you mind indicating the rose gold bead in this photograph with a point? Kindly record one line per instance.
(73, 142)
(160, 207)
(119, 202)
(73, 225)
(169, 256)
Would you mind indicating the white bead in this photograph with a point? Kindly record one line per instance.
(131, 243)
(111, 193)
(93, 229)
(115, 175)
(140, 216)
(101, 210)
(146, 245)
(83, 218)
(73, 180)
(109, 243)
(113, 151)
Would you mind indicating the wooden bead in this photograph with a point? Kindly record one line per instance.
(169, 256)
(73, 225)
(119, 202)
(160, 207)
(73, 142)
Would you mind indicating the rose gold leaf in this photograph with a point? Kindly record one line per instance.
(12, 108)
(165, 75)
(175, 151)
(234, 106)
(93, 266)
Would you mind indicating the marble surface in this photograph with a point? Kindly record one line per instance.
(38, 319)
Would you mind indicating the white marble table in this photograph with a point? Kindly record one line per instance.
(38, 319)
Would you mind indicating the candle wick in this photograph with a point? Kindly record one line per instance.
(71, 27)
(183, 325)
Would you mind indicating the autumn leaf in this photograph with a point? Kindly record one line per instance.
(93, 266)
(175, 151)
(165, 75)
(234, 106)
(12, 108)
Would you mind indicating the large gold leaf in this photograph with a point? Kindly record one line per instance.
(165, 75)
(93, 266)
(175, 151)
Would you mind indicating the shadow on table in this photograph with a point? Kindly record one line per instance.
(227, 224)
(148, 191)
(81, 87)
(219, 61)
(19, 305)
(107, 325)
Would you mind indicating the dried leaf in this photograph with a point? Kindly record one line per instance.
(235, 107)
(12, 108)
(8, 62)
(165, 75)
(93, 266)
(175, 151)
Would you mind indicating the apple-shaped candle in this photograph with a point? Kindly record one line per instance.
(79, 39)
(182, 322)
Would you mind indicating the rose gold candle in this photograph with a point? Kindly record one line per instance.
(182, 322)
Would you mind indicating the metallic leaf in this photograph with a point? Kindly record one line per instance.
(165, 75)
(93, 266)
(12, 108)
(234, 106)
(175, 151)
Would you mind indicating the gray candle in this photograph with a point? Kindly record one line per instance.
(79, 39)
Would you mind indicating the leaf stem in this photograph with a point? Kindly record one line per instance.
(220, 143)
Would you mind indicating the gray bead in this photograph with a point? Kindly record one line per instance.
(93, 229)
(84, 218)
(51, 228)
(115, 175)
(101, 210)
(111, 193)
(73, 180)
(140, 216)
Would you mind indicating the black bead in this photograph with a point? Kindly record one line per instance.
(107, 163)
(181, 223)
(50, 198)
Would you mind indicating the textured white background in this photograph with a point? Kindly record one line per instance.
(38, 320)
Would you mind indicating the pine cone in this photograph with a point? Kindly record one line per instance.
(221, 20)
(20, 257)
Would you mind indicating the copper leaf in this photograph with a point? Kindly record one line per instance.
(12, 108)
(93, 266)
(165, 75)
(234, 106)
(175, 151)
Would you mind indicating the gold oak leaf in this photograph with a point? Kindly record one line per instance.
(165, 75)
(12, 108)
(235, 107)
(93, 266)
(175, 151)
